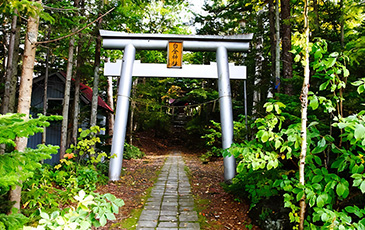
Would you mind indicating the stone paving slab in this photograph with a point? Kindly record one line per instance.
(171, 205)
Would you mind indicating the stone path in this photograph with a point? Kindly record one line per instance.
(171, 204)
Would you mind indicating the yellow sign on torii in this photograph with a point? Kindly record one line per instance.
(174, 58)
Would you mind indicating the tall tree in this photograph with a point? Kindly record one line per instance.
(14, 72)
(77, 76)
(304, 106)
(287, 57)
(66, 99)
(45, 91)
(26, 82)
(132, 110)
(76, 105)
(94, 103)
(11, 65)
(277, 47)
(272, 35)
(259, 58)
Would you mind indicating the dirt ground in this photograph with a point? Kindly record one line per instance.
(217, 209)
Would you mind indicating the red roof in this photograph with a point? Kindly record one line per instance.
(88, 93)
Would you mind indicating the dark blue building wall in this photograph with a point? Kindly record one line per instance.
(53, 137)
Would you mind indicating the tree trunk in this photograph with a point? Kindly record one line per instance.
(277, 47)
(11, 78)
(286, 46)
(77, 76)
(272, 35)
(304, 103)
(66, 100)
(25, 90)
(10, 66)
(76, 104)
(258, 62)
(45, 91)
(110, 115)
(94, 104)
(14, 77)
(133, 106)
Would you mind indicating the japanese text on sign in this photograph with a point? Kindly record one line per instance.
(174, 59)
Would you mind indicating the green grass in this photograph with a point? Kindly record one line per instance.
(131, 222)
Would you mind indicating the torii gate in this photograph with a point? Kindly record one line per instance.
(130, 42)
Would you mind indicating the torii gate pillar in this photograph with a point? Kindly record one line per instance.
(121, 114)
(130, 42)
(225, 103)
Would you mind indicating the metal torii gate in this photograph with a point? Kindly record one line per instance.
(130, 42)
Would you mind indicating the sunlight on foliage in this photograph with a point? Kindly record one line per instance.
(92, 210)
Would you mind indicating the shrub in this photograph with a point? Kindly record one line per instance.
(132, 152)
(19, 166)
(92, 210)
(52, 187)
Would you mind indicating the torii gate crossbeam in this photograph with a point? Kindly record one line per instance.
(130, 42)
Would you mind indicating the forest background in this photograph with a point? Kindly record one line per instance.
(317, 170)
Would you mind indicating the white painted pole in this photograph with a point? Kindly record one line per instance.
(226, 113)
(121, 116)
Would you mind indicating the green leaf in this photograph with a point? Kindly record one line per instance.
(357, 83)
(346, 72)
(314, 102)
(360, 89)
(329, 62)
(324, 171)
(44, 215)
(300, 195)
(269, 108)
(265, 136)
(337, 163)
(355, 169)
(85, 225)
(317, 186)
(362, 187)
(321, 200)
(334, 54)
(277, 144)
(350, 209)
(317, 159)
(110, 216)
(318, 54)
(317, 178)
(359, 131)
(297, 58)
(322, 142)
(342, 125)
(318, 149)
(357, 182)
(357, 176)
(312, 201)
(340, 189)
(361, 168)
(103, 220)
(324, 85)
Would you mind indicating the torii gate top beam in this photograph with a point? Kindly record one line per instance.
(119, 40)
